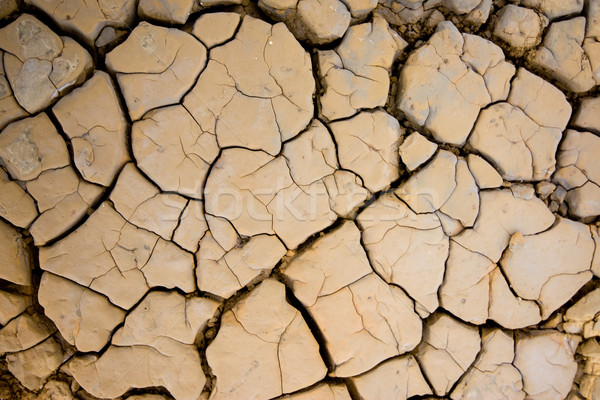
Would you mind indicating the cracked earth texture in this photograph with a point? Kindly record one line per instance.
(299, 199)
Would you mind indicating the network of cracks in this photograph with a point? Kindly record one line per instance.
(308, 200)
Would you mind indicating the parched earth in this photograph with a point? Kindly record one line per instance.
(299, 199)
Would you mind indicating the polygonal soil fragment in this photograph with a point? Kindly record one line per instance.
(84, 318)
(520, 27)
(256, 90)
(24, 332)
(266, 340)
(545, 360)
(492, 375)
(587, 114)
(318, 21)
(368, 146)
(445, 184)
(142, 204)
(448, 349)
(579, 173)
(16, 205)
(321, 392)
(151, 351)
(113, 257)
(11, 305)
(173, 150)
(415, 150)
(257, 194)
(32, 366)
(98, 138)
(226, 266)
(463, 72)
(356, 76)
(362, 319)
(405, 248)
(580, 318)
(521, 149)
(39, 64)
(87, 18)
(10, 109)
(562, 56)
(170, 11)
(398, 378)
(14, 255)
(155, 67)
(554, 9)
(503, 213)
(35, 154)
(216, 28)
(550, 266)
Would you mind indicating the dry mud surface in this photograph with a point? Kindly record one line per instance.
(299, 199)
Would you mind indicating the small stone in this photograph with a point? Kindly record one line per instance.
(544, 189)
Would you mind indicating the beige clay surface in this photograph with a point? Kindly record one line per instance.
(299, 199)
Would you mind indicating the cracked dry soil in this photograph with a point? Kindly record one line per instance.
(308, 200)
